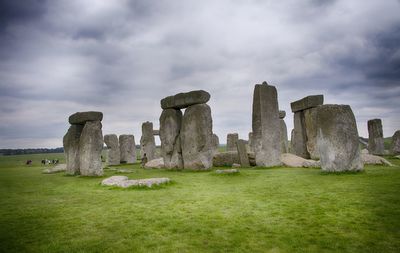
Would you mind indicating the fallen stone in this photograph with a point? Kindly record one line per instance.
(127, 148)
(375, 137)
(71, 149)
(236, 165)
(292, 160)
(90, 148)
(373, 160)
(337, 139)
(82, 117)
(124, 182)
(223, 159)
(196, 137)
(227, 171)
(307, 102)
(183, 100)
(170, 127)
(364, 151)
(265, 125)
(124, 171)
(55, 169)
(155, 164)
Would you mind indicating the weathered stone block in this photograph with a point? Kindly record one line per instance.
(113, 155)
(375, 137)
(231, 140)
(170, 127)
(307, 102)
(90, 147)
(71, 149)
(127, 148)
(82, 117)
(183, 100)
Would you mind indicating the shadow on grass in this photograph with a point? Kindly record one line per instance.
(341, 173)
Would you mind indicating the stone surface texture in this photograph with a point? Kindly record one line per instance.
(310, 123)
(283, 136)
(227, 158)
(299, 136)
(337, 139)
(373, 160)
(127, 148)
(196, 137)
(90, 147)
(215, 143)
(184, 100)
(265, 126)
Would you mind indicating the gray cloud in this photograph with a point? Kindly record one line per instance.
(122, 57)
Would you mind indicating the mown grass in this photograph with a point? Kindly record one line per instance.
(258, 210)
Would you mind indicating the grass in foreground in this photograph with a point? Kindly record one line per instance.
(258, 210)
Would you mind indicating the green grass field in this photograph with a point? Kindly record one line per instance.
(259, 210)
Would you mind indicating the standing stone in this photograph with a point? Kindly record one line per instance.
(242, 151)
(251, 148)
(90, 147)
(310, 122)
(396, 143)
(215, 143)
(156, 132)
(231, 140)
(375, 137)
(127, 148)
(284, 136)
(113, 155)
(299, 136)
(170, 126)
(183, 100)
(265, 124)
(337, 139)
(71, 148)
(147, 141)
(196, 137)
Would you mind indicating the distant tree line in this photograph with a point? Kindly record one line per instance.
(30, 151)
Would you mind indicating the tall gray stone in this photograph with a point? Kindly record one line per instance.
(307, 102)
(147, 141)
(90, 147)
(265, 124)
(299, 136)
(71, 148)
(113, 155)
(196, 137)
(251, 148)
(82, 117)
(337, 139)
(215, 142)
(284, 136)
(310, 122)
(183, 100)
(170, 127)
(127, 148)
(231, 140)
(395, 148)
(375, 137)
(242, 152)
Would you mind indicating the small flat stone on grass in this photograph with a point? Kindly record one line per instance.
(56, 169)
(227, 171)
(124, 182)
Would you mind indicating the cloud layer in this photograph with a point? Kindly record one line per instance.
(122, 57)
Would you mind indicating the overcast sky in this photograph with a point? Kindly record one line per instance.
(122, 57)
